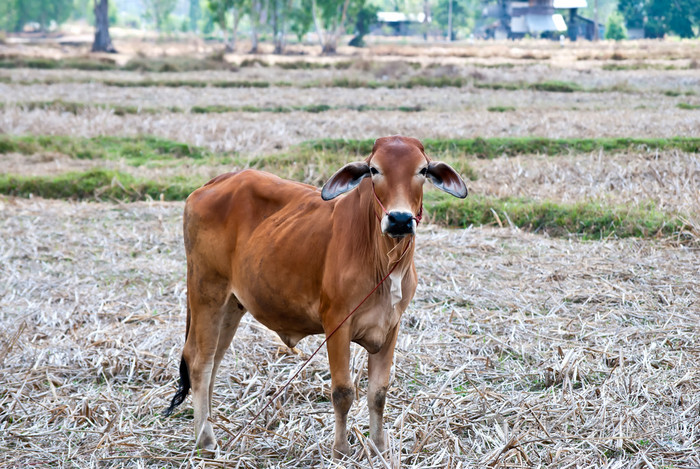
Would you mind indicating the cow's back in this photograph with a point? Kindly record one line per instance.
(263, 235)
(248, 195)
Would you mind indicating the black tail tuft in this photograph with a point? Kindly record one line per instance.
(182, 389)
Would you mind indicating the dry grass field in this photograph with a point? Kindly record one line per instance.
(519, 350)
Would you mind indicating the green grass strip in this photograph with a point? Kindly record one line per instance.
(157, 64)
(99, 184)
(344, 82)
(122, 110)
(589, 220)
(325, 156)
(511, 146)
(45, 63)
(139, 149)
(190, 83)
(135, 150)
(586, 219)
(412, 82)
(675, 93)
(314, 108)
(551, 85)
(141, 64)
(557, 86)
(353, 83)
(77, 107)
(500, 108)
(641, 66)
(187, 63)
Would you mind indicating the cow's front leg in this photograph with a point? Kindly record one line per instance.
(379, 371)
(342, 391)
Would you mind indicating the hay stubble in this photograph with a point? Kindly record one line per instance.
(518, 350)
(263, 133)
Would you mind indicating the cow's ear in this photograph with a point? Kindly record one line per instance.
(446, 179)
(346, 179)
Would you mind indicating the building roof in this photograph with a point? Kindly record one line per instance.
(534, 23)
(570, 3)
(398, 17)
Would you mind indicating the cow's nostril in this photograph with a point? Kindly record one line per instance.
(400, 218)
(399, 224)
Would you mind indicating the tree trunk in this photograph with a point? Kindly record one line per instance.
(255, 13)
(229, 46)
(278, 24)
(284, 24)
(317, 26)
(426, 19)
(103, 42)
(340, 28)
(595, 21)
(330, 43)
(231, 43)
(280, 42)
(254, 40)
(276, 33)
(195, 14)
(449, 23)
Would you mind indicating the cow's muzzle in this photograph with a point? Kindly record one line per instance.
(399, 224)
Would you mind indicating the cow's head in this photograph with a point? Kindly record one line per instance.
(398, 167)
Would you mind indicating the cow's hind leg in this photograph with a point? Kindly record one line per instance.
(234, 311)
(379, 371)
(213, 323)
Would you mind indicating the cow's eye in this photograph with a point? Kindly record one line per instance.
(424, 171)
(373, 170)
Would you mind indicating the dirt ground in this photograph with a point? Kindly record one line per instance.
(668, 180)
(468, 98)
(139, 44)
(637, 102)
(264, 133)
(518, 351)
(633, 103)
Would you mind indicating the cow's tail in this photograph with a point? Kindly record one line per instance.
(184, 386)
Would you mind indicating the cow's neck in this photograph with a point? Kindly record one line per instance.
(380, 250)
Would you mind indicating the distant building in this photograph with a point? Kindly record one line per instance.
(538, 18)
(635, 33)
(396, 23)
(578, 26)
(516, 19)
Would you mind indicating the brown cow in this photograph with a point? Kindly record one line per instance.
(299, 262)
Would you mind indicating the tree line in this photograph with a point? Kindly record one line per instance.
(659, 18)
(278, 19)
(328, 19)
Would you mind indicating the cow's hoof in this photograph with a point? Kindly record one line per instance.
(207, 444)
(380, 444)
(340, 450)
(207, 449)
